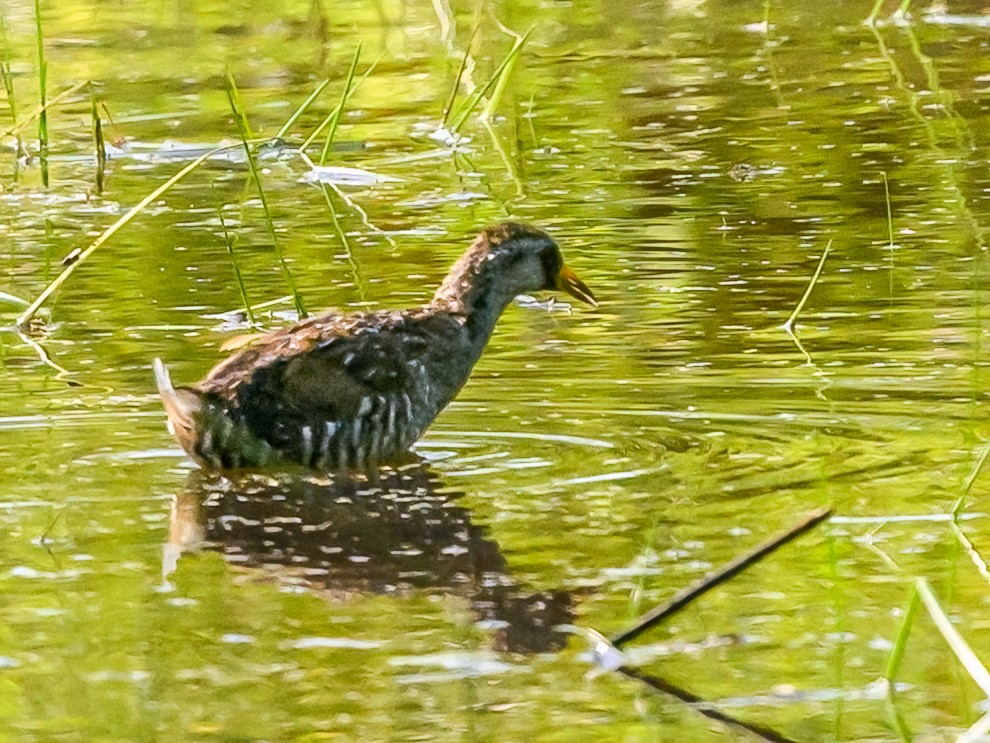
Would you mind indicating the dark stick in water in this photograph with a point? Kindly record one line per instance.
(735, 567)
(702, 706)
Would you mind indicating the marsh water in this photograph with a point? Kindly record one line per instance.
(694, 160)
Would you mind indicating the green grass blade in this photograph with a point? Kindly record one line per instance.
(339, 111)
(237, 269)
(11, 299)
(970, 479)
(99, 143)
(457, 80)
(233, 95)
(504, 77)
(302, 108)
(900, 641)
(42, 95)
(789, 325)
(871, 19)
(8, 78)
(8, 86)
(336, 111)
(476, 97)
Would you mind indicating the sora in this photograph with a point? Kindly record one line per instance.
(352, 391)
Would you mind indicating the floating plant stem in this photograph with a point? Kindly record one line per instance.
(355, 270)
(339, 111)
(789, 325)
(237, 107)
(32, 310)
(506, 160)
(42, 94)
(39, 110)
(237, 269)
(475, 98)
(45, 357)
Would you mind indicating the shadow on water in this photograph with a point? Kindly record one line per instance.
(338, 536)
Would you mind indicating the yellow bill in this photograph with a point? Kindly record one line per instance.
(569, 282)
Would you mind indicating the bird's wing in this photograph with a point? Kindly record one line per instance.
(333, 381)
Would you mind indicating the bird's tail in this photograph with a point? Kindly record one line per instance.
(181, 407)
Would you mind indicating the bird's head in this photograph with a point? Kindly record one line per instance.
(527, 258)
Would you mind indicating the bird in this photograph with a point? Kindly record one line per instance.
(346, 392)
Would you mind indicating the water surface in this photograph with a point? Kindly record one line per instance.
(693, 161)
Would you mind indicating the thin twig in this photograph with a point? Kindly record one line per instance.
(43, 539)
(735, 567)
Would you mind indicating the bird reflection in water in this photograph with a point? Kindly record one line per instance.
(339, 536)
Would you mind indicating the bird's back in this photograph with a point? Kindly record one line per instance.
(334, 392)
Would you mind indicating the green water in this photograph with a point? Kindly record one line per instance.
(693, 164)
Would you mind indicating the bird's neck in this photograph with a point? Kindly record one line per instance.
(472, 292)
